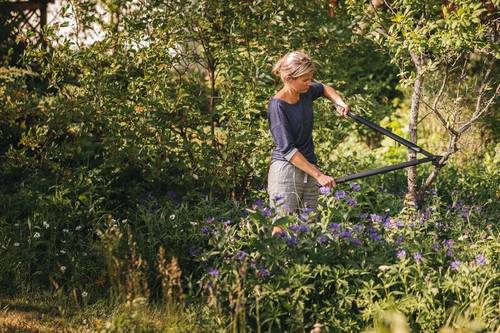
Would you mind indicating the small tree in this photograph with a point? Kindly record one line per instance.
(455, 43)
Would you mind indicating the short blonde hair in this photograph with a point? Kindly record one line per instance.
(293, 65)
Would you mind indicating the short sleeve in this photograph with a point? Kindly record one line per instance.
(280, 130)
(316, 90)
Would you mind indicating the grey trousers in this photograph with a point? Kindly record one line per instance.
(290, 188)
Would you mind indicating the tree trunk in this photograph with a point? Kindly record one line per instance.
(411, 195)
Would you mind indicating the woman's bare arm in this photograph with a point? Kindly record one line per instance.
(330, 93)
(303, 164)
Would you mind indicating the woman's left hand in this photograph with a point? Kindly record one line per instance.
(342, 109)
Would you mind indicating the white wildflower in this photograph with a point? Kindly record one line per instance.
(63, 268)
(78, 227)
(172, 216)
(36, 235)
(46, 225)
(16, 244)
(85, 294)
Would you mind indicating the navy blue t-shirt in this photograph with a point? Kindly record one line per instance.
(291, 125)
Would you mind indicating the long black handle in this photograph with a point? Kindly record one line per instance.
(368, 173)
(430, 157)
(395, 137)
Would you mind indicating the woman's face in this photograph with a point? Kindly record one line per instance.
(301, 84)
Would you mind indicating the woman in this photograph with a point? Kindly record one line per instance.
(293, 174)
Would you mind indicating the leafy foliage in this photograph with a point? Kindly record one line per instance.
(155, 137)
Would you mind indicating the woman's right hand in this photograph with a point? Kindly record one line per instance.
(325, 180)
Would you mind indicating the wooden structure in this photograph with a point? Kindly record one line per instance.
(23, 16)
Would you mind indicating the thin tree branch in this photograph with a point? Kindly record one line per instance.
(462, 77)
(441, 90)
(452, 148)
(440, 117)
(424, 116)
(480, 111)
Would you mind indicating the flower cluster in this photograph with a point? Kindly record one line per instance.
(342, 195)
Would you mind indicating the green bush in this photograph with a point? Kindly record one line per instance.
(361, 258)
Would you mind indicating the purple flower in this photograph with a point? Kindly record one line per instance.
(401, 254)
(292, 241)
(334, 226)
(240, 255)
(299, 228)
(346, 234)
(205, 230)
(227, 222)
(210, 220)
(455, 264)
(282, 234)
(351, 201)
(278, 197)
(399, 239)
(435, 246)
(387, 223)
(417, 256)
(481, 260)
(193, 251)
(355, 187)
(448, 243)
(449, 253)
(287, 208)
(214, 272)
(374, 235)
(304, 217)
(362, 216)
(323, 239)
(307, 210)
(427, 214)
(400, 224)
(357, 228)
(263, 272)
(356, 241)
(340, 194)
(266, 211)
(376, 218)
(465, 213)
(304, 228)
(259, 203)
(325, 190)
(458, 205)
